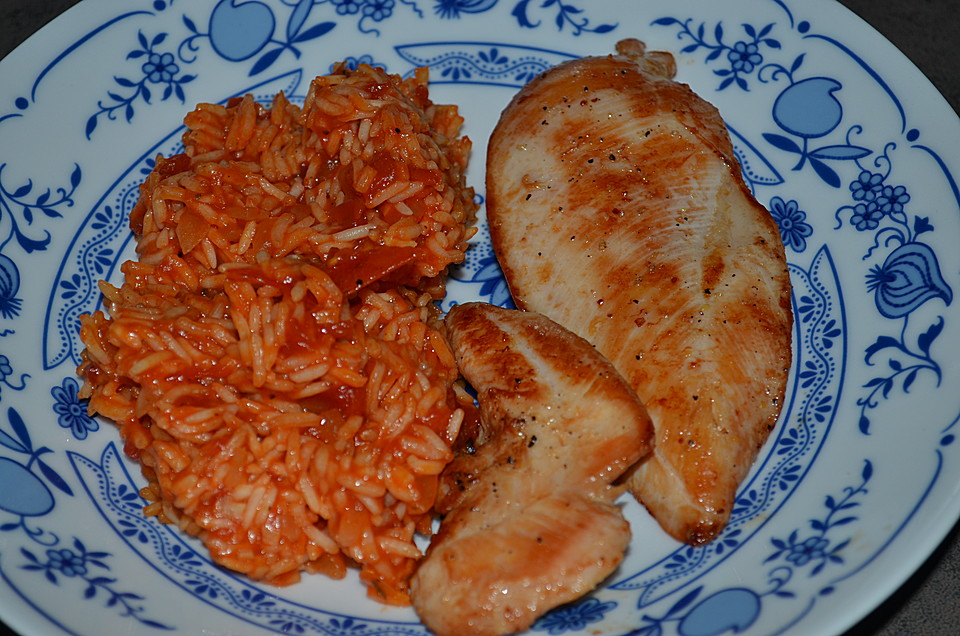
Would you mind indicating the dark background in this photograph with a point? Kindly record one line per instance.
(928, 32)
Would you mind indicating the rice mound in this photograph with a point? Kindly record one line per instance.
(273, 358)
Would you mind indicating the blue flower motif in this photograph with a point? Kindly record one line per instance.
(80, 563)
(867, 186)
(744, 56)
(378, 9)
(866, 216)
(67, 562)
(352, 63)
(892, 199)
(160, 68)
(814, 548)
(574, 617)
(71, 412)
(347, 7)
(794, 230)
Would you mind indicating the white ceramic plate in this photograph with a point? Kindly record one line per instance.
(853, 151)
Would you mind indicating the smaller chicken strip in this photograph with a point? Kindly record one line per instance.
(531, 520)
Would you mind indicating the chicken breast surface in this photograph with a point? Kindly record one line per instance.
(617, 209)
(531, 522)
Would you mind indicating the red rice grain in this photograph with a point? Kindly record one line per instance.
(272, 358)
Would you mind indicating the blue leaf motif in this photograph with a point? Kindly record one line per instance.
(297, 17)
(266, 60)
(31, 245)
(796, 63)
(19, 427)
(53, 477)
(684, 601)
(840, 152)
(23, 190)
(783, 143)
(13, 444)
(921, 225)
(520, 13)
(825, 172)
(315, 31)
(927, 337)
(882, 342)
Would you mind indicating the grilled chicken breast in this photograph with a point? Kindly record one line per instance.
(617, 209)
(531, 523)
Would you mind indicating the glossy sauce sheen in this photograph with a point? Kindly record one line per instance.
(616, 208)
(530, 520)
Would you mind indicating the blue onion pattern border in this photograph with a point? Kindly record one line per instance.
(831, 153)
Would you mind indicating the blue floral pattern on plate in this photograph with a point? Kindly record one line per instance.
(859, 181)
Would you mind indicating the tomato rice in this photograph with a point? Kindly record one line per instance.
(273, 358)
